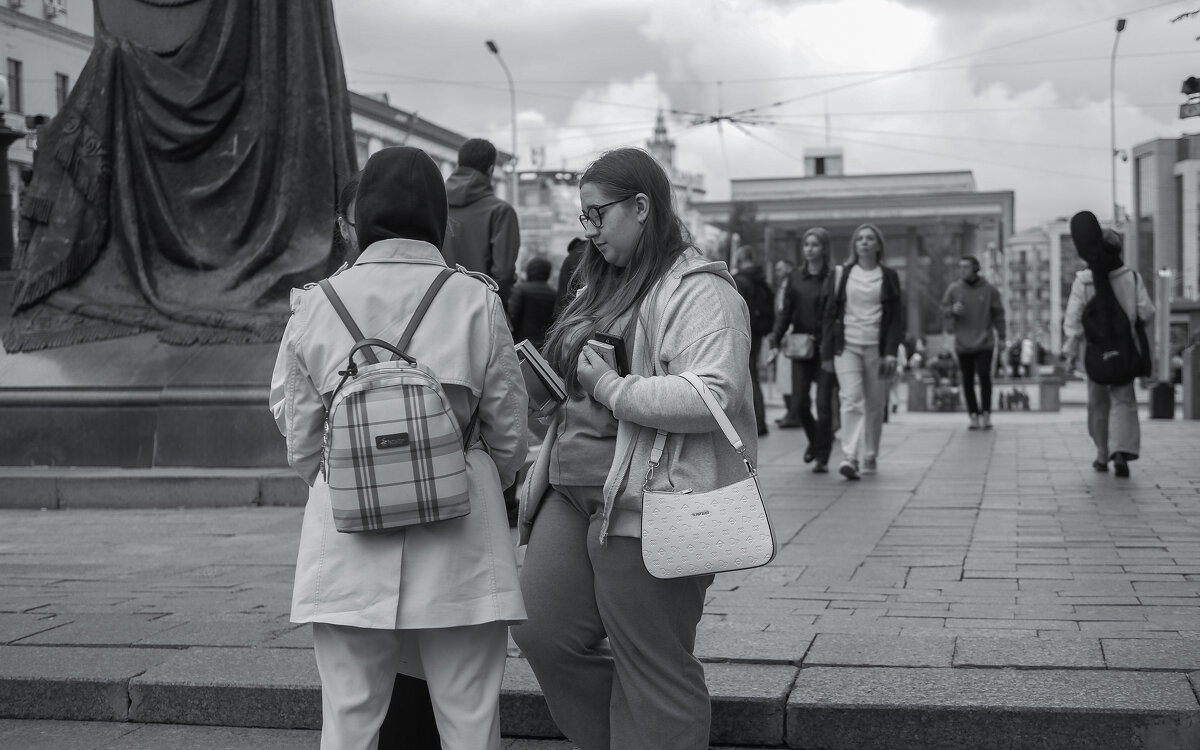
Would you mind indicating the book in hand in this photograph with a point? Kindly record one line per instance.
(545, 388)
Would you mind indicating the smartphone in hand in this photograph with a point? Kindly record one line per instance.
(621, 357)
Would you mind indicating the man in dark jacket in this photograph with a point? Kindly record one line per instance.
(974, 310)
(483, 234)
(566, 272)
(751, 283)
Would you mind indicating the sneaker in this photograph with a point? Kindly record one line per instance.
(985, 421)
(1120, 465)
(974, 422)
(788, 423)
(1100, 466)
(869, 466)
(821, 468)
(809, 456)
(848, 469)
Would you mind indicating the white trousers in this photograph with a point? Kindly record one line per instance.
(862, 392)
(463, 666)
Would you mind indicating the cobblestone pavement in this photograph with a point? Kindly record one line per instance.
(967, 549)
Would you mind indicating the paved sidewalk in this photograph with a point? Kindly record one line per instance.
(984, 589)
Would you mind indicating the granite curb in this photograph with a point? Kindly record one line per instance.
(754, 705)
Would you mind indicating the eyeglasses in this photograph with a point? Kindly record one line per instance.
(347, 219)
(594, 216)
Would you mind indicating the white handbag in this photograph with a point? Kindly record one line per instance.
(687, 533)
(799, 345)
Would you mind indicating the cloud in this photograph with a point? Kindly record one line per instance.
(1016, 92)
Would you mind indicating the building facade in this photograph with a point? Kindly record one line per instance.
(929, 220)
(45, 44)
(378, 125)
(1165, 235)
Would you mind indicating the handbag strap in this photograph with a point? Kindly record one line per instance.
(731, 434)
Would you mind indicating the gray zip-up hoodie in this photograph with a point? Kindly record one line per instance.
(695, 321)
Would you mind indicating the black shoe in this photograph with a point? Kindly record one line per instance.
(1100, 466)
(808, 456)
(821, 468)
(1120, 466)
(787, 423)
(849, 469)
(763, 431)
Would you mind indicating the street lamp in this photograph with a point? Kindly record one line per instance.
(1112, 115)
(512, 97)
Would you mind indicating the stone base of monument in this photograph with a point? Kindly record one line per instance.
(178, 423)
(138, 403)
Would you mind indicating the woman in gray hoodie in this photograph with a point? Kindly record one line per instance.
(583, 577)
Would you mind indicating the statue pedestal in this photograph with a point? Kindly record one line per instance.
(137, 403)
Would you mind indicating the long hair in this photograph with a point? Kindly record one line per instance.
(822, 236)
(854, 236)
(606, 291)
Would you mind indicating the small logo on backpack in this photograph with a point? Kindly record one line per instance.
(398, 440)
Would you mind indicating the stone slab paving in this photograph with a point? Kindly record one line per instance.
(983, 557)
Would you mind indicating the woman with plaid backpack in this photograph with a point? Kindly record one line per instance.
(431, 600)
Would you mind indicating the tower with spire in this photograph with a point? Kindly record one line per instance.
(660, 146)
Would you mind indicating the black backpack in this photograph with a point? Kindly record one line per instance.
(1116, 352)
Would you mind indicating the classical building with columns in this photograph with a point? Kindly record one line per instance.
(929, 220)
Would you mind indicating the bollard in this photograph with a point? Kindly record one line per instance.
(1191, 382)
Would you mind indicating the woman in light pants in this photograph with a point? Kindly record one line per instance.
(1111, 409)
(863, 324)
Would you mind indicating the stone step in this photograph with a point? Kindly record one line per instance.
(60, 488)
(825, 708)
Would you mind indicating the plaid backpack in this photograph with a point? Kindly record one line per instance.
(394, 455)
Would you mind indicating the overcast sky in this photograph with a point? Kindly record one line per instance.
(1016, 91)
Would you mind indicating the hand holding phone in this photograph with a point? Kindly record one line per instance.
(616, 345)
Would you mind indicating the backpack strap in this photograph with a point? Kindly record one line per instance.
(426, 301)
(347, 319)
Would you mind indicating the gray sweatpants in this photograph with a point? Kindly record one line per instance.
(646, 690)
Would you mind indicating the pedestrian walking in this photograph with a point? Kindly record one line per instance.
(1112, 410)
(567, 284)
(975, 313)
(531, 306)
(861, 331)
(800, 321)
(583, 575)
(760, 300)
(483, 234)
(429, 600)
(1027, 357)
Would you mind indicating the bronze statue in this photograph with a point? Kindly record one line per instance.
(190, 180)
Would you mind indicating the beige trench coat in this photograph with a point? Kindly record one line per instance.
(451, 573)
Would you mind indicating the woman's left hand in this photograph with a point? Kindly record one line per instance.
(592, 368)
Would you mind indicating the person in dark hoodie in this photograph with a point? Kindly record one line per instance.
(568, 285)
(531, 306)
(752, 285)
(974, 310)
(483, 234)
(431, 600)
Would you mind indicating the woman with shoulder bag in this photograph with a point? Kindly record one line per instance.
(431, 600)
(583, 578)
(798, 334)
(863, 325)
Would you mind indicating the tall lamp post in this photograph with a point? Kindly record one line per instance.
(512, 98)
(1112, 115)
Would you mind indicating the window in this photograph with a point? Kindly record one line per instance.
(819, 165)
(15, 100)
(62, 87)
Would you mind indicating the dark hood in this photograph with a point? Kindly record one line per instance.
(467, 185)
(401, 195)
